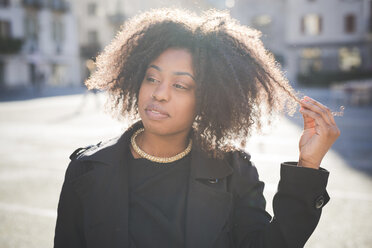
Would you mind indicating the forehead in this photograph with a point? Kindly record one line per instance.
(174, 59)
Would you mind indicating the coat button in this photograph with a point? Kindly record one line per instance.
(319, 202)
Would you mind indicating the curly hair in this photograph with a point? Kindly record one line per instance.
(238, 80)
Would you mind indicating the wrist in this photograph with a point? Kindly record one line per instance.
(303, 163)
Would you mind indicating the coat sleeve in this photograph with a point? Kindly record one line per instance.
(297, 205)
(69, 226)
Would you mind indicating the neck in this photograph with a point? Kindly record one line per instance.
(161, 145)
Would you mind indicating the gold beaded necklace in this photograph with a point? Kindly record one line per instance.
(145, 155)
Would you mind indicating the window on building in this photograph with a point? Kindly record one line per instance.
(311, 24)
(92, 9)
(370, 17)
(92, 37)
(230, 3)
(4, 3)
(349, 23)
(59, 74)
(311, 60)
(5, 29)
(32, 26)
(58, 32)
(261, 21)
(2, 74)
(349, 58)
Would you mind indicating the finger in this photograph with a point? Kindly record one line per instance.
(329, 112)
(308, 120)
(321, 111)
(317, 110)
(319, 121)
(323, 107)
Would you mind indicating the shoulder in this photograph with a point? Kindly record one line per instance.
(105, 154)
(102, 148)
(82, 159)
(240, 161)
(81, 150)
(245, 182)
(89, 150)
(240, 157)
(244, 169)
(76, 167)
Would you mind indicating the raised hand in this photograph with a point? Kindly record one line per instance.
(320, 132)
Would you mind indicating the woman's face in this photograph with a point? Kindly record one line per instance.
(166, 99)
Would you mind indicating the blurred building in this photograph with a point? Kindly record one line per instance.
(313, 36)
(269, 17)
(38, 43)
(328, 36)
(99, 20)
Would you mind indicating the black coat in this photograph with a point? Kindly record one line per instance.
(225, 202)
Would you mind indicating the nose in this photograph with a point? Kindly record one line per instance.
(161, 92)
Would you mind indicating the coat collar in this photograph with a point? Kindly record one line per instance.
(116, 150)
(104, 195)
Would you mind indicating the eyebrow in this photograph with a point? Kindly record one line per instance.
(175, 73)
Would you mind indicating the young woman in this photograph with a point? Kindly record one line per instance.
(176, 177)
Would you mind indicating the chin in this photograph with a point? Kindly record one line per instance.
(158, 127)
(163, 129)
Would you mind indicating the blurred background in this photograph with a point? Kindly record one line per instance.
(47, 50)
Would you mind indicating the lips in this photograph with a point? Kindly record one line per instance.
(156, 112)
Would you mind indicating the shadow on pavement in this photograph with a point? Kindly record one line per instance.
(28, 93)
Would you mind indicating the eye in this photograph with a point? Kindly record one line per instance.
(180, 86)
(153, 80)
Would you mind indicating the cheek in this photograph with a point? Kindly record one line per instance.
(141, 103)
(190, 109)
(142, 95)
(193, 108)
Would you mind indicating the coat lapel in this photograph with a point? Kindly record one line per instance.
(208, 204)
(104, 194)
